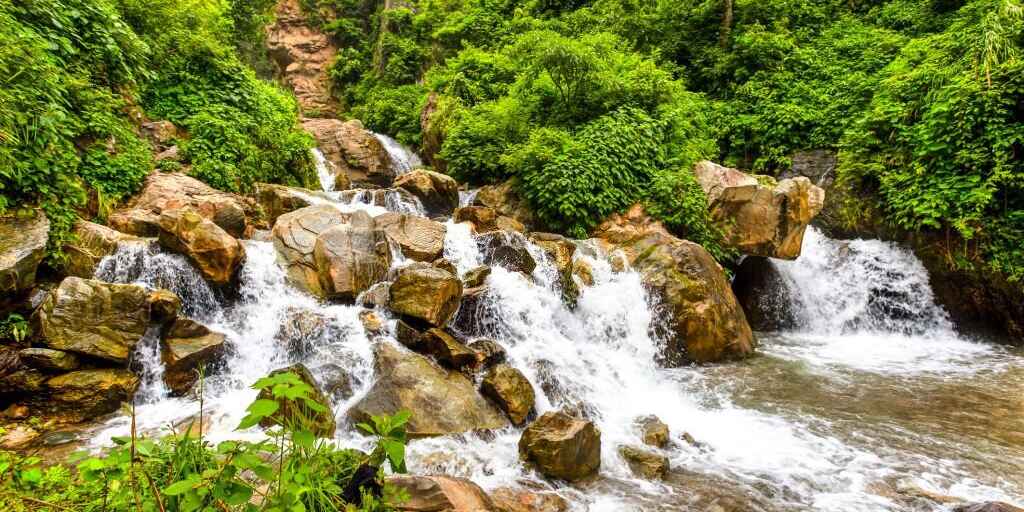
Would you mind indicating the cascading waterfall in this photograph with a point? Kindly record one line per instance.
(324, 170)
(402, 158)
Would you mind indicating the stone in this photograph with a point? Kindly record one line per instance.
(300, 328)
(448, 350)
(758, 217)
(90, 244)
(322, 424)
(503, 223)
(582, 270)
(988, 506)
(18, 438)
(49, 359)
(23, 241)
(508, 388)
(353, 151)
(433, 134)
(481, 218)
(488, 352)
(95, 318)
(295, 235)
(160, 133)
(338, 382)
(476, 277)
(304, 56)
(653, 431)
(188, 347)
(561, 446)
(441, 401)
(371, 322)
(505, 201)
(509, 499)
(426, 293)
(446, 265)
(408, 335)
(561, 251)
(23, 380)
(172, 154)
(764, 295)
(277, 200)
(506, 249)
(438, 193)
(164, 306)
(216, 254)
(351, 257)
(645, 463)
(419, 239)
(440, 494)
(88, 394)
(171, 191)
(16, 412)
(703, 321)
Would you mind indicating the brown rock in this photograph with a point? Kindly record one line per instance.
(188, 346)
(420, 239)
(506, 249)
(433, 134)
(164, 305)
(23, 241)
(561, 251)
(49, 359)
(645, 463)
(91, 243)
(169, 191)
(488, 352)
(426, 293)
(440, 494)
(353, 150)
(509, 389)
(448, 350)
(378, 295)
(561, 446)
(483, 219)
(16, 412)
(87, 394)
(654, 431)
(277, 200)
(216, 254)
(509, 499)
(446, 265)
(408, 335)
(505, 201)
(438, 193)
(352, 257)
(371, 322)
(295, 236)
(18, 438)
(304, 56)
(160, 133)
(476, 277)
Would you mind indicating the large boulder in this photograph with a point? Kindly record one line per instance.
(504, 200)
(645, 463)
(508, 499)
(441, 401)
(760, 217)
(703, 320)
(213, 251)
(321, 424)
(352, 150)
(420, 239)
(277, 200)
(653, 431)
(509, 389)
(170, 191)
(87, 394)
(188, 346)
(426, 293)
(304, 56)
(506, 249)
(561, 251)
(762, 292)
(438, 193)
(95, 318)
(351, 257)
(561, 446)
(49, 359)
(90, 244)
(448, 350)
(23, 241)
(295, 236)
(440, 494)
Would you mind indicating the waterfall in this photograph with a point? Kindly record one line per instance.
(402, 158)
(324, 170)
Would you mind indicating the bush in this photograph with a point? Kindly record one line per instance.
(478, 137)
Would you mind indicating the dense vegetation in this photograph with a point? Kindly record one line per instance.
(77, 78)
(291, 470)
(595, 104)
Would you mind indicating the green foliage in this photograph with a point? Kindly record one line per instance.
(394, 110)
(15, 328)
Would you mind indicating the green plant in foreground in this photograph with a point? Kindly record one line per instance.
(14, 327)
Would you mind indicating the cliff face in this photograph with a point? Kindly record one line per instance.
(303, 56)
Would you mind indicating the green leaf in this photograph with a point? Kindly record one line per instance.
(304, 438)
(180, 487)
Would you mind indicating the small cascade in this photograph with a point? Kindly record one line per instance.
(402, 158)
(150, 367)
(324, 170)
(467, 197)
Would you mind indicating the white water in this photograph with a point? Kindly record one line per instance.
(402, 158)
(325, 170)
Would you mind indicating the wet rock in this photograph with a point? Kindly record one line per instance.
(507, 250)
(503, 223)
(704, 322)
(172, 154)
(338, 382)
(160, 133)
(299, 328)
(653, 431)
(295, 236)
(759, 219)
(509, 389)
(16, 412)
(561, 251)
(561, 446)
(764, 296)
(353, 150)
(95, 318)
(321, 424)
(420, 239)
(351, 258)
(476, 277)
(426, 293)
(446, 265)
(87, 394)
(215, 253)
(378, 295)
(448, 350)
(23, 241)
(582, 270)
(393, 199)
(505, 201)
(408, 335)
(23, 380)
(91, 243)
(277, 200)
(187, 347)
(164, 306)
(433, 134)
(488, 352)
(171, 191)
(18, 438)
(988, 506)
(438, 193)
(441, 401)
(371, 322)
(49, 359)
(440, 494)
(473, 311)
(303, 55)
(645, 463)
(509, 499)
(481, 218)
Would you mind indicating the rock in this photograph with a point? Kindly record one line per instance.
(187, 347)
(304, 56)
(441, 401)
(295, 236)
(23, 380)
(488, 352)
(561, 251)
(160, 133)
(509, 389)
(433, 134)
(817, 165)
(95, 318)
(408, 335)
(87, 394)
(440, 494)
(506, 249)
(321, 424)
(448, 350)
(91, 243)
(337, 381)
(215, 253)
(49, 359)
(583, 271)
(508, 499)
(988, 506)
(505, 201)
(16, 412)
(561, 446)
(503, 223)
(426, 293)
(654, 431)
(758, 219)
(447, 266)
(164, 306)
(23, 241)
(353, 150)
(473, 311)
(171, 191)
(481, 218)
(371, 322)
(277, 200)
(704, 321)
(476, 277)
(18, 438)
(352, 257)
(172, 154)
(378, 295)
(299, 328)
(420, 239)
(438, 193)
(645, 463)
(764, 296)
